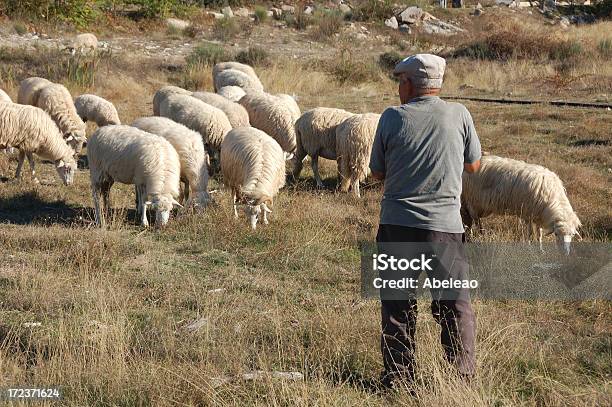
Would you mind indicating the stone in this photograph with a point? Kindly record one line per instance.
(392, 23)
(177, 24)
(227, 12)
(345, 9)
(405, 28)
(308, 10)
(277, 13)
(478, 6)
(440, 27)
(242, 12)
(411, 15)
(217, 16)
(288, 9)
(477, 12)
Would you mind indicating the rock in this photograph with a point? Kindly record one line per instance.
(478, 6)
(504, 2)
(176, 24)
(269, 13)
(405, 28)
(227, 12)
(288, 9)
(564, 22)
(440, 27)
(261, 374)
(276, 13)
(217, 16)
(242, 12)
(411, 15)
(308, 10)
(345, 9)
(196, 325)
(392, 23)
(477, 12)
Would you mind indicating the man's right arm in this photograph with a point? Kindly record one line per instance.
(377, 158)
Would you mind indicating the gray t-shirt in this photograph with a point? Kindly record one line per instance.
(421, 147)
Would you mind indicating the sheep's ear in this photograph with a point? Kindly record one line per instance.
(176, 203)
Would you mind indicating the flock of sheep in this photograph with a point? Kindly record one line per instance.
(255, 138)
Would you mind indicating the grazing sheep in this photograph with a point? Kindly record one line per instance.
(531, 192)
(163, 93)
(4, 97)
(57, 101)
(30, 88)
(274, 116)
(291, 103)
(253, 166)
(315, 133)
(32, 131)
(207, 120)
(119, 153)
(354, 139)
(223, 66)
(236, 114)
(233, 93)
(190, 148)
(96, 109)
(84, 44)
(233, 77)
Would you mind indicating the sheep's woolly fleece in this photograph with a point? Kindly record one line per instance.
(30, 88)
(96, 109)
(236, 114)
(162, 93)
(232, 77)
(237, 66)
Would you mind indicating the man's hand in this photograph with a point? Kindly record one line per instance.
(378, 176)
(472, 168)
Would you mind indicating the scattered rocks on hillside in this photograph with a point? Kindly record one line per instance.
(242, 12)
(288, 9)
(217, 16)
(227, 12)
(346, 10)
(177, 24)
(261, 374)
(440, 27)
(392, 23)
(411, 15)
(308, 10)
(277, 13)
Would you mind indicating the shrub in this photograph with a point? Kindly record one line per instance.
(377, 10)
(388, 60)
(566, 50)
(254, 56)
(20, 28)
(327, 24)
(605, 47)
(226, 28)
(261, 14)
(207, 54)
(299, 20)
(348, 69)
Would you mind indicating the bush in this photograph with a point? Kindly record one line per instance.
(605, 47)
(388, 60)
(261, 14)
(377, 10)
(226, 28)
(254, 56)
(299, 20)
(207, 54)
(327, 23)
(20, 29)
(348, 69)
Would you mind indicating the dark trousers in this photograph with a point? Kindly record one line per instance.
(455, 316)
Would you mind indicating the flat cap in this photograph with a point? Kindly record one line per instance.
(424, 70)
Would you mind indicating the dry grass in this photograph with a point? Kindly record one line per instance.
(113, 304)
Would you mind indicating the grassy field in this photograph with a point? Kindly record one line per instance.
(116, 307)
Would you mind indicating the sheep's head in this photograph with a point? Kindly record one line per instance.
(254, 210)
(162, 206)
(75, 140)
(200, 201)
(66, 170)
(565, 232)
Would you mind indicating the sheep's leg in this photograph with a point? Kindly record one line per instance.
(32, 169)
(105, 188)
(137, 193)
(186, 193)
(265, 216)
(315, 170)
(142, 198)
(234, 203)
(22, 156)
(95, 189)
(540, 235)
(355, 185)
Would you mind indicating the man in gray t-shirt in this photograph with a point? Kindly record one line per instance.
(420, 150)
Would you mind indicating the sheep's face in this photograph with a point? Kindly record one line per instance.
(564, 235)
(162, 207)
(66, 171)
(253, 212)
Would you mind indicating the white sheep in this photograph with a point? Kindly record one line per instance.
(223, 66)
(125, 154)
(291, 101)
(354, 139)
(236, 114)
(273, 115)
(253, 167)
(4, 97)
(96, 109)
(190, 148)
(315, 133)
(32, 131)
(30, 88)
(56, 100)
(531, 192)
(163, 93)
(233, 77)
(233, 93)
(84, 44)
(207, 120)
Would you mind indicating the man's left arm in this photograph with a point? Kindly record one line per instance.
(472, 149)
